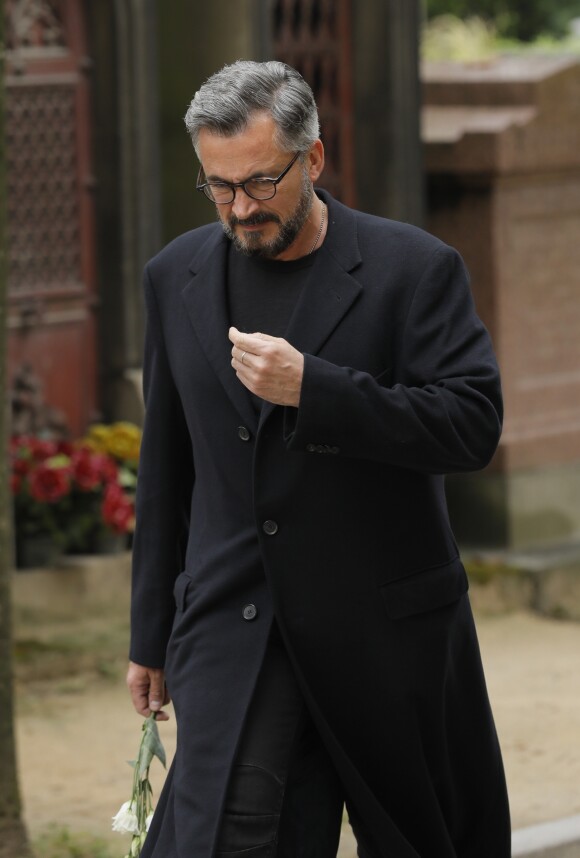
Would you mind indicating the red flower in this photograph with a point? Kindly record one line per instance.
(91, 470)
(107, 466)
(117, 509)
(21, 466)
(86, 471)
(49, 485)
(42, 450)
(32, 448)
(16, 442)
(64, 448)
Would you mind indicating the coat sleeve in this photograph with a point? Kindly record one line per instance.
(440, 410)
(164, 486)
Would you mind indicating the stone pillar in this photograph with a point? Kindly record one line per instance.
(386, 85)
(502, 147)
(128, 188)
(149, 58)
(194, 41)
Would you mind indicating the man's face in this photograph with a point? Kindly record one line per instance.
(270, 228)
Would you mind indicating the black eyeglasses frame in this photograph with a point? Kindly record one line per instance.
(205, 187)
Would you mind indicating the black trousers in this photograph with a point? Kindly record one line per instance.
(284, 798)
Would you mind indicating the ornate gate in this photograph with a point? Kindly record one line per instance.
(51, 266)
(314, 36)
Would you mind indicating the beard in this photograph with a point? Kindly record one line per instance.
(253, 244)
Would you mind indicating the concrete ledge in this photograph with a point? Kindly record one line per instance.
(77, 585)
(555, 572)
(558, 839)
(544, 580)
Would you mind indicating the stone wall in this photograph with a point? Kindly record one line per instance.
(502, 151)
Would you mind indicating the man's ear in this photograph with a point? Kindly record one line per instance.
(315, 160)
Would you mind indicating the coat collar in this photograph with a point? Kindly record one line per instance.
(326, 298)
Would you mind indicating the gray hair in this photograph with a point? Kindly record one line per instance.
(226, 102)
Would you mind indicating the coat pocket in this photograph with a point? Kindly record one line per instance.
(182, 583)
(425, 590)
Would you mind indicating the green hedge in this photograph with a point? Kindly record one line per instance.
(524, 20)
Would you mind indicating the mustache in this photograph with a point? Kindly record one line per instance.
(254, 220)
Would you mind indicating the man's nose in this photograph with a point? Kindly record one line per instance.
(244, 206)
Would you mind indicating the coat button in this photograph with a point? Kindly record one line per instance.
(250, 612)
(243, 433)
(270, 527)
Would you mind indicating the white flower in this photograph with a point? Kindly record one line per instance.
(135, 815)
(126, 820)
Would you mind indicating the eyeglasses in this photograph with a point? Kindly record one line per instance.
(260, 188)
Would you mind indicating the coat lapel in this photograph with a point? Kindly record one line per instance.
(206, 303)
(325, 300)
(330, 291)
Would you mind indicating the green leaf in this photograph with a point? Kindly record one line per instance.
(151, 746)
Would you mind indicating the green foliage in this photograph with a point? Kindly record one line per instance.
(450, 38)
(476, 40)
(523, 20)
(58, 842)
(485, 570)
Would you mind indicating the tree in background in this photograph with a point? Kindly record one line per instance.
(524, 20)
(13, 840)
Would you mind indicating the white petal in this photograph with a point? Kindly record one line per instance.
(125, 821)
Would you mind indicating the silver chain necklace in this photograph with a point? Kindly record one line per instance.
(317, 239)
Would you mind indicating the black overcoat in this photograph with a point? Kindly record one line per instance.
(332, 517)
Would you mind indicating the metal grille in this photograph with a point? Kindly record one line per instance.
(51, 252)
(43, 216)
(33, 24)
(314, 36)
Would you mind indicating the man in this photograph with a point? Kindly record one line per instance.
(310, 373)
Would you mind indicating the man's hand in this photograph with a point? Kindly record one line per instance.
(268, 366)
(147, 688)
